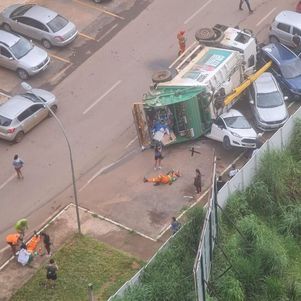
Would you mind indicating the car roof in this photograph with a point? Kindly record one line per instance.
(289, 17)
(8, 38)
(279, 52)
(40, 13)
(14, 106)
(265, 83)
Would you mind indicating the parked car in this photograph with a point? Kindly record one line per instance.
(22, 112)
(298, 7)
(233, 129)
(20, 55)
(267, 103)
(285, 25)
(286, 67)
(39, 23)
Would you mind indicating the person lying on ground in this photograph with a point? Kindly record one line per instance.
(168, 178)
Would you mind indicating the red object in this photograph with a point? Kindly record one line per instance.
(298, 7)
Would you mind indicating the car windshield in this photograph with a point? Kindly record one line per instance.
(21, 48)
(237, 122)
(5, 121)
(291, 68)
(57, 23)
(21, 10)
(33, 97)
(269, 100)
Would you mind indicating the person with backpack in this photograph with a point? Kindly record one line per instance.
(51, 274)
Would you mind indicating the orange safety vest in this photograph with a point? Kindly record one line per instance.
(12, 238)
(33, 243)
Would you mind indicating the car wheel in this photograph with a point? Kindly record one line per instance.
(161, 76)
(46, 44)
(6, 27)
(19, 137)
(22, 74)
(53, 109)
(274, 39)
(226, 143)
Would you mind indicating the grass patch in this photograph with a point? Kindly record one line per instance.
(81, 261)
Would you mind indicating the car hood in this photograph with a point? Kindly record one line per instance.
(272, 114)
(295, 83)
(244, 133)
(46, 95)
(34, 57)
(7, 11)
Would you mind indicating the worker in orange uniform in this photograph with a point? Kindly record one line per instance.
(13, 240)
(169, 178)
(182, 42)
(33, 243)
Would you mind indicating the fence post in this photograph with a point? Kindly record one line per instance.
(90, 292)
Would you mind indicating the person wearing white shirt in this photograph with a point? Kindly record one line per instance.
(24, 256)
(233, 171)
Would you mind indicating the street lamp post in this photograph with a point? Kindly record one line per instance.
(27, 87)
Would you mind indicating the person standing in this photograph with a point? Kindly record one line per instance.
(233, 171)
(219, 183)
(198, 181)
(174, 225)
(21, 226)
(24, 256)
(248, 5)
(18, 164)
(158, 157)
(51, 273)
(182, 42)
(47, 243)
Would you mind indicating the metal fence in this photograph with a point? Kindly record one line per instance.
(239, 182)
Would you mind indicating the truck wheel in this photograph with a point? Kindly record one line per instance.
(226, 143)
(209, 36)
(274, 39)
(161, 76)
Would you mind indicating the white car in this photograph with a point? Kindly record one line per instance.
(233, 129)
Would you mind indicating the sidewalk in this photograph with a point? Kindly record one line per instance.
(14, 276)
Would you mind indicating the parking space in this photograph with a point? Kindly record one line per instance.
(93, 21)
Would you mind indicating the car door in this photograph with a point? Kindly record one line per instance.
(284, 33)
(252, 101)
(6, 59)
(25, 120)
(30, 27)
(39, 112)
(218, 129)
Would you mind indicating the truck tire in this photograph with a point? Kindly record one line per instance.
(209, 36)
(161, 76)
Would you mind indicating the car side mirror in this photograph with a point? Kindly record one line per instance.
(285, 97)
(251, 102)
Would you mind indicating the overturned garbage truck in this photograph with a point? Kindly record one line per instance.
(183, 107)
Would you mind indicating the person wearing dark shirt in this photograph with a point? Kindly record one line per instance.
(47, 243)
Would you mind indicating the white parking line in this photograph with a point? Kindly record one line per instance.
(7, 181)
(266, 16)
(101, 97)
(4, 94)
(105, 34)
(197, 12)
(290, 104)
(131, 142)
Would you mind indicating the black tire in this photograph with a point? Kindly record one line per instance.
(22, 74)
(209, 36)
(46, 44)
(6, 27)
(161, 76)
(19, 137)
(273, 39)
(53, 109)
(226, 143)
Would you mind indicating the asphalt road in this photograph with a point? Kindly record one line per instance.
(95, 102)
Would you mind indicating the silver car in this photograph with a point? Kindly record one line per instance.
(20, 55)
(22, 112)
(39, 23)
(285, 25)
(267, 103)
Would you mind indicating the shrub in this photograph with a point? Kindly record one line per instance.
(294, 146)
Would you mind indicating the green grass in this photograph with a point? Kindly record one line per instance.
(81, 261)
